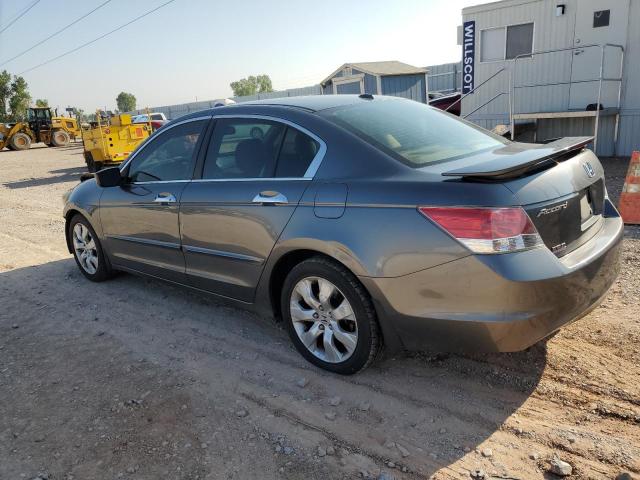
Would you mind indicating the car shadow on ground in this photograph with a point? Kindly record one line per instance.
(422, 412)
(71, 174)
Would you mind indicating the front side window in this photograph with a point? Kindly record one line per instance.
(169, 156)
(411, 132)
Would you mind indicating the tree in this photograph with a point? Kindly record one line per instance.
(5, 91)
(126, 102)
(20, 98)
(42, 102)
(264, 84)
(251, 85)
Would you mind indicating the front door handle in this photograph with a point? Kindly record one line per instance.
(165, 197)
(269, 197)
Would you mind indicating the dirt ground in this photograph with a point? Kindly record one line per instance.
(136, 379)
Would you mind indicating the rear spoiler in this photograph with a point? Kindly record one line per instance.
(502, 166)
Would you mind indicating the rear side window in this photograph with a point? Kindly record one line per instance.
(297, 152)
(254, 148)
(243, 148)
(411, 132)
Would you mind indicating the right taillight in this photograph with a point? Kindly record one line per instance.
(486, 230)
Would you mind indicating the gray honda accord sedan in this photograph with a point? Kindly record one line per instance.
(359, 221)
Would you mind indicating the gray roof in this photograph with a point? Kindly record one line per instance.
(390, 67)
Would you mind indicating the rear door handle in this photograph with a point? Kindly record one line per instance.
(165, 197)
(269, 197)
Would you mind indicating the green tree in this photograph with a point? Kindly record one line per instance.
(42, 102)
(5, 92)
(251, 85)
(126, 102)
(20, 99)
(264, 84)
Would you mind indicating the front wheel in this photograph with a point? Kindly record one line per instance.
(330, 317)
(87, 250)
(20, 141)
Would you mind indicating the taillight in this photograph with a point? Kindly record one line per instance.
(486, 230)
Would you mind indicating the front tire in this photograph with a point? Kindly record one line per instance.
(87, 250)
(20, 141)
(330, 317)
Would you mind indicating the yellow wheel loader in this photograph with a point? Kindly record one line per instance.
(39, 127)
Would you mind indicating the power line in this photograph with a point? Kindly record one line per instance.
(54, 34)
(24, 12)
(96, 39)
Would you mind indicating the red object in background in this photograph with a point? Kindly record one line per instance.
(156, 124)
(445, 101)
(630, 197)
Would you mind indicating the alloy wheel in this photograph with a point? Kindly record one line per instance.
(85, 249)
(323, 319)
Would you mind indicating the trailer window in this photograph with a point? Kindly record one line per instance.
(519, 40)
(506, 43)
(492, 45)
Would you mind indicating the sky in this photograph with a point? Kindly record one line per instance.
(192, 50)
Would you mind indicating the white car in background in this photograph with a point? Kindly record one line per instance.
(158, 119)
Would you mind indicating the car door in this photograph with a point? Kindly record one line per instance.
(253, 176)
(140, 218)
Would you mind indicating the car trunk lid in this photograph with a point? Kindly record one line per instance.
(560, 185)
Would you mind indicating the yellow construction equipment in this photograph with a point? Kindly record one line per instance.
(69, 125)
(111, 143)
(39, 127)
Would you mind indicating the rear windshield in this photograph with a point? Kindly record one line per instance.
(412, 132)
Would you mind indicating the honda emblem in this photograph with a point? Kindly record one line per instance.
(588, 169)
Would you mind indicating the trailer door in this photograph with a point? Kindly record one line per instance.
(597, 22)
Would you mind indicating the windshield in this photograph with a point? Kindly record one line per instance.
(412, 132)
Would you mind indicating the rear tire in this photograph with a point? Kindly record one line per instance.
(20, 141)
(87, 250)
(59, 138)
(341, 332)
(92, 165)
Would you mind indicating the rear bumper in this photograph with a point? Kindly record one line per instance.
(498, 303)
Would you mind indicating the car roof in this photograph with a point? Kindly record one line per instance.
(312, 102)
(306, 104)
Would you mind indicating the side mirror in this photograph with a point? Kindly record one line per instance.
(109, 177)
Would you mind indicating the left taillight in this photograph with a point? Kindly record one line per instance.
(486, 230)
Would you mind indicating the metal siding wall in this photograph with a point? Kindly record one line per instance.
(407, 86)
(370, 84)
(174, 111)
(577, 127)
(446, 77)
(629, 133)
